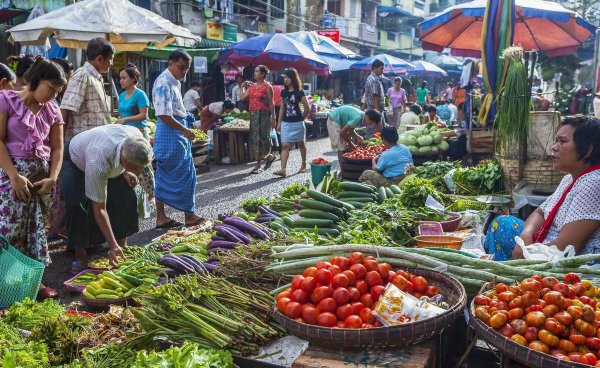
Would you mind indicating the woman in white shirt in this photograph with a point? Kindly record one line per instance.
(191, 99)
(211, 113)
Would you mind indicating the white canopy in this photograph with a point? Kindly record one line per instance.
(127, 26)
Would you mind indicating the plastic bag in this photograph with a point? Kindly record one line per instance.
(543, 252)
(395, 307)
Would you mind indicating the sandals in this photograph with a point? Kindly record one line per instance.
(47, 293)
(302, 170)
(169, 225)
(270, 161)
(280, 172)
(200, 221)
(257, 170)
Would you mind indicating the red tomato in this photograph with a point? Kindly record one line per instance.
(293, 310)
(362, 286)
(341, 296)
(281, 303)
(323, 276)
(339, 280)
(353, 321)
(310, 315)
(310, 271)
(320, 293)
(401, 282)
(501, 287)
(309, 284)
(587, 358)
(335, 269)
(549, 282)
(404, 274)
(384, 270)
(351, 277)
(377, 291)
(572, 278)
(326, 319)
(420, 284)
(431, 291)
(344, 311)
(354, 294)
(357, 307)
(562, 288)
(327, 305)
(322, 264)
(367, 300)
(370, 265)
(391, 276)
(284, 294)
(359, 270)
(373, 278)
(300, 296)
(297, 281)
(367, 315)
(356, 257)
(342, 262)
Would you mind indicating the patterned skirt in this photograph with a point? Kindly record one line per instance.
(23, 223)
(260, 133)
(500, 238)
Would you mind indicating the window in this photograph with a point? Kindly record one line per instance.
(391, 36)
(353, 6)
(419, 5)
(334, 7)
(277, 8)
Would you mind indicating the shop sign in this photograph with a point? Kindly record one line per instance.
(200, 64)
(334, 34)
(214, 30)
(229, 32)
(328, 21)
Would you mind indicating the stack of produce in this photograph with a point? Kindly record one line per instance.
(241, 124)
(424, 141)
(234, 231)
(365, 152)
(546, 315)
(342, 292)
(238, 114)
(199, 135)
(357, 194)
(108, 286)
(175, 265)
(266, 215)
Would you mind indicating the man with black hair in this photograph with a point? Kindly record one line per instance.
(85, 104)
(191, 99)
(341, 124)
(390, 166)
(374, 94)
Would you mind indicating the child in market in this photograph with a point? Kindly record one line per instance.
(389, 167)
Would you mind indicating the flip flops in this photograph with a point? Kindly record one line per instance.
(200, 221)
(281, 173)
(169, 225)
(270, 162)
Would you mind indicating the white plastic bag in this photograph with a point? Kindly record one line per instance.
(543, 252)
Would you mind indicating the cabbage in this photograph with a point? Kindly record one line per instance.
(411, 140)
(414, 133)
(425, 140)
(426, 149)
(412, 148)
(402, 139)
(437, 137)
(434, 149)
(443, 146)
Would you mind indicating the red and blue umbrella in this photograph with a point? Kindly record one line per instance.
(275, 51)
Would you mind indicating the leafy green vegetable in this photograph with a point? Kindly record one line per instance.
(60, 335)
(29, 314)
(434, 170)
(485, 178)
(293, 191)
(415, 192)
(188, 355)
(15, 352)
(108, 356)
(252, 204)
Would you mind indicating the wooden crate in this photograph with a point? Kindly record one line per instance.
(233, 143)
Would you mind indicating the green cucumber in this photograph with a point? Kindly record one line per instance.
(382, 194)
(357, 205)
(345, 194)
(389, 193)
(310, 222)
(134, 281)
(288, 220)
(361, 200)
(395, 189)
(277, 226)
(318, 205)
(316, 214)
(88, 295)
(355, 187)
(348, 207)
(320, 231)
(324, 198)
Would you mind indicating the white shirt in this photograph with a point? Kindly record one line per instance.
(454, 111)
(216, 108)
(97, 152)
(189, 100)
(597, 107)
(235, 94)
(582, 203)
(449, 94)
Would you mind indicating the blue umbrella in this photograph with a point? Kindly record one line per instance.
(337, 56)
(428, 69)
(276, 51)
(392, 64)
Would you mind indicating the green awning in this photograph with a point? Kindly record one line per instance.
(214, 44)
(163, 53)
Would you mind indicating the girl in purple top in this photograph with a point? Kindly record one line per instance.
(31, 151)
(397, 96)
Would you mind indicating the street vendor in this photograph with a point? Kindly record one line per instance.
(389, 167)
(341, 126)
(100, 169)
(211, 113)
(571, 215)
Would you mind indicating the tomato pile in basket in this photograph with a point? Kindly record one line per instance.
(547, 315)
(342, 292)
(365, 152)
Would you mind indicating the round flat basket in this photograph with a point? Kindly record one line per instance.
(106, 303)
(439, 241)
(400, 335)
(519, 353)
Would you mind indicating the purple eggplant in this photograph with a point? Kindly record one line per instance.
(227, 234)
(246, 226)
(211, 259)
(193, 261)
(209, 266)
(221, 244)
(218, 237)
(270, 211)
(237, 232)
(167, 271)
(298, 207)
(175, 263)
(214, 262)
(262, 220)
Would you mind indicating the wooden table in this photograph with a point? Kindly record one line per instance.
(232, 142)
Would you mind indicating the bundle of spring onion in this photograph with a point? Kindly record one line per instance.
(471, 271)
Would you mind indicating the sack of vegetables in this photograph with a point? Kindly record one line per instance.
(332, 303)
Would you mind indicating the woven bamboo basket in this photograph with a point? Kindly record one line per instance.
(393, 336)
(536, 171)
(519, 353)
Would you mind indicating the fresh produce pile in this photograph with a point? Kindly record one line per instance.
(320, 161)
(365, 152)
(237, 124)
(547, 315)
(199, 135)
(234, 231)
(485, 178)
(109, 286)
(236, 113)
(343, 292)
(426, 140)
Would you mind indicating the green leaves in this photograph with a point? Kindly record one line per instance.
(485, 178)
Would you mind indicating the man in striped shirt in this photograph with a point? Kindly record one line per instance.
(100, 170)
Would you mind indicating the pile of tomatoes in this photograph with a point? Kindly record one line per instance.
(547, 315)
(342, 292)
(365, 152)
(320, 161)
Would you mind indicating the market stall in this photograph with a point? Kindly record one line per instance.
(231, 139)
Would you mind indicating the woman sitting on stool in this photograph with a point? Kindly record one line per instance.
(389, 167)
